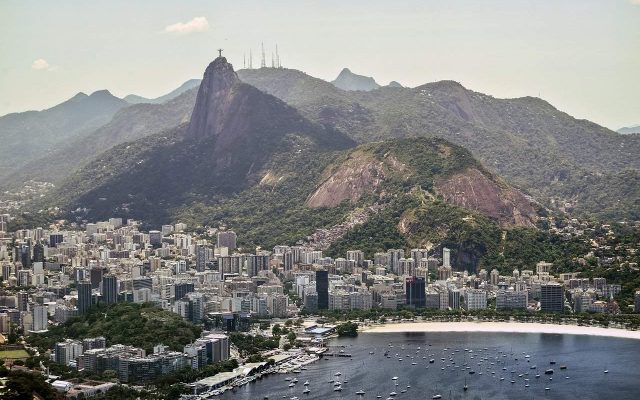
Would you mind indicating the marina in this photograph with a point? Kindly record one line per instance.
(480, 365)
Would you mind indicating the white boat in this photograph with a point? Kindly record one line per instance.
(337, 389)
(338, 373)
(360, 392)
(292, 384)
(392, 394)
(306, 383)
(395, 378)
(306, 391)
(436, 396)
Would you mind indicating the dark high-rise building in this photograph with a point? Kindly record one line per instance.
(55, 238)
(179, 290)
(415, 292)
(96, 276)
(204, 254)
(38, 252)
(84, 296)
(110, 289)
(322, 288)
(257, 263)
(552, 297)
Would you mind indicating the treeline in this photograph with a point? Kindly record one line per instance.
(140, 325)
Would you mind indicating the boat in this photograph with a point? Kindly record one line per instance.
(465, 387)
(552, 362)
(306, 391)
(392, 394)
(338, 373)
(395, 378)
(306, 383)
(337, 389)
(337, 383)
(292, 384)
(563, 367)
(432, 361)
(295, 380)
(360, 392)
(436, 396)
(549, 371)
(606, 371)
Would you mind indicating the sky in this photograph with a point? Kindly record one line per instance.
(583, 56)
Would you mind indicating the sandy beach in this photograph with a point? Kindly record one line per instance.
(508, 327)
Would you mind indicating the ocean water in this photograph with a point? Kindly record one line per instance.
(586, 358)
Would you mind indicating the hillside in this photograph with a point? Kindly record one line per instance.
(151, 177)
(29, 135)
(128, 124)
(542, 150)
(396, 189)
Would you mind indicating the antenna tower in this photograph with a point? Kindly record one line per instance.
(263, 63)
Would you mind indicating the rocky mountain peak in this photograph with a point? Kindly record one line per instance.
(347, 80)
(213, 96)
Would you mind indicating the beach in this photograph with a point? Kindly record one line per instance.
(501, 327)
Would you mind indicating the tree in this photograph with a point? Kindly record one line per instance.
(349, 329)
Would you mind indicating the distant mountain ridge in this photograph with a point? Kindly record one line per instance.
(629, 130)
(347, 80)
(539, 148)
(29, 135)
(151, 177)
(188, 85)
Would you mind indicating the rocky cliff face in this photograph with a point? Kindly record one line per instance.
(473, 190)
(214, 98)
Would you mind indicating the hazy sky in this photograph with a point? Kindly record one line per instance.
(583, 56)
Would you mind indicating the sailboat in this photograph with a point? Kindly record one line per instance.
(465, 385)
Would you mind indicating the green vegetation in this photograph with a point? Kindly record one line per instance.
(542, 150)
(249, 345)
(140, 325)
(347, 329)
(13, 354)
(22, 385)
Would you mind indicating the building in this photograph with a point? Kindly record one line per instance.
(637, 302)
(511, 300)
(446, 257)
(454, 298)
(226, 239)
(84, 296)
(322, 289)
(110, 289)
(155, 239)
(40, 318)
(257, 263)
(475, 299)
(415, 292)
(551, 297)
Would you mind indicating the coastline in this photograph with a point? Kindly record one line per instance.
(500, 327)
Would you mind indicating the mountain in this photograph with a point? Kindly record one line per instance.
(347, 80)
(234, 130)
(253, 163)
(629, 130)
(394, 194)
(394, 84)
(128, 124)
(188, 85)
(544, 151)
(29, 135)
